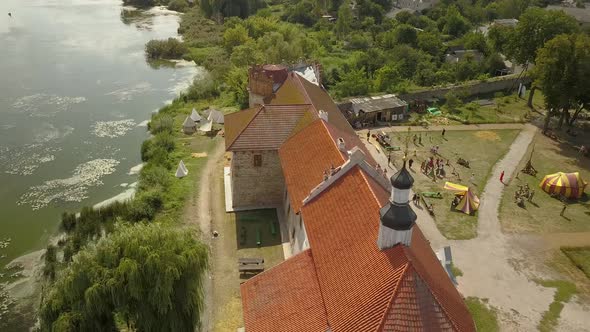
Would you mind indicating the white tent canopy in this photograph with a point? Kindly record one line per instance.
(195, 116)
(214, 115)
(181, 171)
(206, 126)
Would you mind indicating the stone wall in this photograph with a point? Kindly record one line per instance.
(470, 89)
(256, 186)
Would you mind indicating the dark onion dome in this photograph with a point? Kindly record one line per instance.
(397, 217)
(402, 179)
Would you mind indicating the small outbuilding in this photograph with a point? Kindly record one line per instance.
(189, 126)
(377, 110)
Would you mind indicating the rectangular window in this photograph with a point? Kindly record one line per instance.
(257, 160)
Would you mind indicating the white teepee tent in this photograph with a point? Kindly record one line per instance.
(195, 116)
(214, 115)
(206, 126)
(181, 171)
(189, 126)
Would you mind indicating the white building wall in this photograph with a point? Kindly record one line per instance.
(295, 226)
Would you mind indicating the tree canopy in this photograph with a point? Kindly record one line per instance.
(561, 72)
(145, 276)
(537, 26)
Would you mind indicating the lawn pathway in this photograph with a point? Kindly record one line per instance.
(198, 213)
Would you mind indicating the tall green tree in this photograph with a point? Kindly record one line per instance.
(146, 276)
(535, 28)
(344, 21)
(561, 72)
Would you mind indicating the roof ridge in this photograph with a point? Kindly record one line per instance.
(427, 283)
(333, 139)
(305, 93)
(393, 294)
(260, 107)
(356, 157)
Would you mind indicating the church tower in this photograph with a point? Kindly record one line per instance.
(397, 217)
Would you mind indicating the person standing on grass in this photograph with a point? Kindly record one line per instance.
(368, 135)
(443, 132)
(502, 177)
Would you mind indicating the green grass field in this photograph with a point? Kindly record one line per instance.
(580, 257)
(484, 315)
(481, 148)
(542, 215)
(227, 304)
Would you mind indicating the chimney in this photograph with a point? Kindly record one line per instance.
(324, 115)
(397, 217)
(341, 145)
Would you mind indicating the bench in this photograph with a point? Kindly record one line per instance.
(245, 261)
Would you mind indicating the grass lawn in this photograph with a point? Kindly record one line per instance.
(506, 109)
(227, 311)
(564, 292)
(481, 148)
(580, 257)
(542, 215)
(484, 315)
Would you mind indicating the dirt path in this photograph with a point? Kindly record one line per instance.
(496, 266)
(199, 214)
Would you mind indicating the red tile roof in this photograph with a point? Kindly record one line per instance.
(307, 154)
(358, 281)
(363, 288)
(298, 90)
(285, 298)
(262, 128)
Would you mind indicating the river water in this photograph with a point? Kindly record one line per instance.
(75, 94)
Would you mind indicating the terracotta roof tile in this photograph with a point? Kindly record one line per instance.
(236, 122)
(358, 281)
(267, 128)
(307, 154)
(298, 90)
(285, 298)
(304, 158)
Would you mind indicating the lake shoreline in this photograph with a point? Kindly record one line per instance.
(25, 292)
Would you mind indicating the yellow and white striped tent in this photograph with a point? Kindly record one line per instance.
(469, 203)
(569, 185)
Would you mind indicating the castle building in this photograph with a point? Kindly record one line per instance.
(359, 263)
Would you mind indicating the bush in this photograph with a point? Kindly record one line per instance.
(178, 5)
(171, 48)
(161, 123)
(68, 221)
(146, 205)
(165, 141)
(204, 88)
(154, 177)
